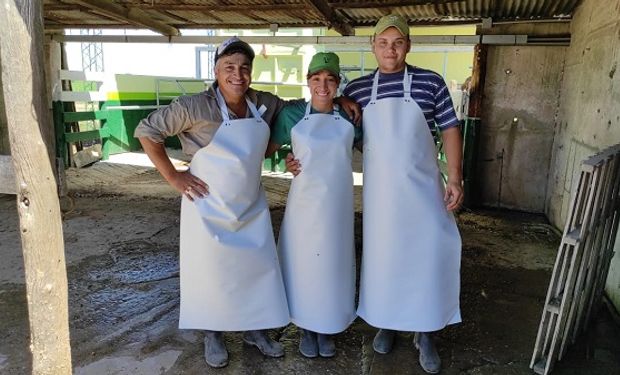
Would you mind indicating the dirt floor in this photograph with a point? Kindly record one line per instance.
(121, 231)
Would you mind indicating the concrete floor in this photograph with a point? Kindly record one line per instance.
(121, 238)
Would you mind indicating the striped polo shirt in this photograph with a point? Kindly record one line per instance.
(428, 89)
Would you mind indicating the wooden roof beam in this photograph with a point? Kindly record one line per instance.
(333, 20)
(389, 4)
(134, 16)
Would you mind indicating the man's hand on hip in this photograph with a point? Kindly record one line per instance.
(189, 185)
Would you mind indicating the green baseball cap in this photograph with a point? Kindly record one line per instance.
(392, 20)
(325, 61)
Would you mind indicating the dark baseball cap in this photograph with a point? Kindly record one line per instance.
(233, 45)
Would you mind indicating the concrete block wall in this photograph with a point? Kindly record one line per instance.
(547, 108)
(521, 99)
(589, 112)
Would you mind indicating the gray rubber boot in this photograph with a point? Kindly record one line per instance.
(429, 358)
(308, 346)
(264, 343)
(384, 340)
(216, 354)
(327, 347)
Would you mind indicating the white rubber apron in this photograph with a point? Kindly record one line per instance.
(410, 277)
(230, 274)
(316, 238)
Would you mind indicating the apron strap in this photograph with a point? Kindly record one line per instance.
(222, 103)
(336, 112)
(224, 109)
(309, 107)
(253, 109)
(375, 85)
(406, 86)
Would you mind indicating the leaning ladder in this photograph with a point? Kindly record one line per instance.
(583, 259)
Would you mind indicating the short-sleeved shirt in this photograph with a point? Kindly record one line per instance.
(291, 115)
(428, 89)
(196, 118)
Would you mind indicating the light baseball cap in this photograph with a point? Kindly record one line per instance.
(392, 20)
(325, 61)
(233, 45)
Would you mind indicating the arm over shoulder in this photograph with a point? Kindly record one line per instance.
(288, 117)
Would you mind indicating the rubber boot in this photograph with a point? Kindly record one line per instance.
(384, 340)
(264, 343)
(429, 358)
(327, 347)
(216, 354)
(308, 346)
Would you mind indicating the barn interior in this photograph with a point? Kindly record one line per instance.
(543, 102)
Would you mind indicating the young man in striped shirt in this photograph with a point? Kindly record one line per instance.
(410, 277)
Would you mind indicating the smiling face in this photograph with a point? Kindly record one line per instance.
(234, 75)
(323, 86)
(390, 48)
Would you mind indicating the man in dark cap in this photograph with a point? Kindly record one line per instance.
(230, 276)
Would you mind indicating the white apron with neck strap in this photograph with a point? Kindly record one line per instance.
(230, 274)
(410, 277)
(316, 238)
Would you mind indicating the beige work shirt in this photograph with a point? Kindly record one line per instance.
(196, 118)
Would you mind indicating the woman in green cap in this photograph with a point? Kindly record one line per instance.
(315, 246)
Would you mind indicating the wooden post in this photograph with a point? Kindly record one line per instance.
(23, 89)
(474, 112)
(5, 149)
(53, 57)
(478, 74)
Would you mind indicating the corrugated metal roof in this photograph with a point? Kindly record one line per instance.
(343, 15)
